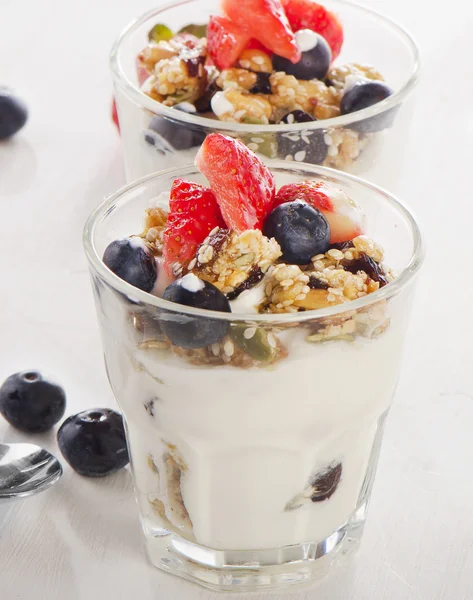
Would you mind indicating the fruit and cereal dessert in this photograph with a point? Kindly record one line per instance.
(260, 63)
(248, 433)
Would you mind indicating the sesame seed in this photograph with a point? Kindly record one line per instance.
(229, 348)
(300, 156)
(215, 349)
(335, 254)
(192, 264)
(258, 60)
(249, 333)
(214, 230)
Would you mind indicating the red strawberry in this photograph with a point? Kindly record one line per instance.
(253, 44)
(306, 14)
(115, 114)
(243, 185)
(225, 41)
(345, 216)
(193, 213)
(265, 20)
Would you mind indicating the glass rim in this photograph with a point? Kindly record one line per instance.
(384, 293)
(140, 98)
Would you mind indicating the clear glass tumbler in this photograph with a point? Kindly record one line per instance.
(369, 39)
(254, 458)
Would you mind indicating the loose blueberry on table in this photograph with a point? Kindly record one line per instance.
(13, 114)
(31, 402)
(262, 63)
(241, 245)
(93, 442)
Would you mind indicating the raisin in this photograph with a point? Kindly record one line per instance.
(342, 246)
(317, 284)
(254, 277)
(326, 483)
(368, 265)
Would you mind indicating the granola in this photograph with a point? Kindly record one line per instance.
(252, 86)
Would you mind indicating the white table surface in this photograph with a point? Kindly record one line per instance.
(81, 539)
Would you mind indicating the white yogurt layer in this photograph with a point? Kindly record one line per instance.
(306, 40)
(250, 440)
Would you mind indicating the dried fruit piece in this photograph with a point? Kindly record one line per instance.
(321, 487)
(315, 298)
(243, 185)
(266, 21)
(369, 266)
(193, 213)
(160, 33)
(325, 483)
(258, 343)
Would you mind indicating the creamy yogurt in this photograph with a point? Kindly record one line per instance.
(249, 441)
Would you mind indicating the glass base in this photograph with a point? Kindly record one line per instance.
(254, 570)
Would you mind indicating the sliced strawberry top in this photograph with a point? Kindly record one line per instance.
(266, 21)
(345, 217)
(311, 192)
(225, 41)
(193, 213)
(306, 14)
(243, 185)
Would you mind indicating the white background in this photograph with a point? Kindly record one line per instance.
(81, 540)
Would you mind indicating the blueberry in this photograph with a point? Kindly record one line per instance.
(315, 60)
(30, 402)
(13, 114)
(93, 442)
(301, 230)
(363, 95)
(307, 145)
(167, 135)
(133, 262)
(262, 85)
(194, 332)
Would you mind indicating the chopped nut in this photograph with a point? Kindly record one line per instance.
(154, 225)
(236, 79)
(281, 298)
(338, 75)
(313, 97)
(255, 60)
(246, 106)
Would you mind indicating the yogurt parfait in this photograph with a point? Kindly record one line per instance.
(292, 79)
(253, 331)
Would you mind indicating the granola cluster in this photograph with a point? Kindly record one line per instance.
(229, 260)
(154, 225)
(177, 69)
(253, 92)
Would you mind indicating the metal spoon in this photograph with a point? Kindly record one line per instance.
(26, 469)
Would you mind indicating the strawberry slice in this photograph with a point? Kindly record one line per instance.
(266, 21)
(193, 213)
(115, 114)
(225, 42)
(345, 216)
(306, 14)
(243, 185)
